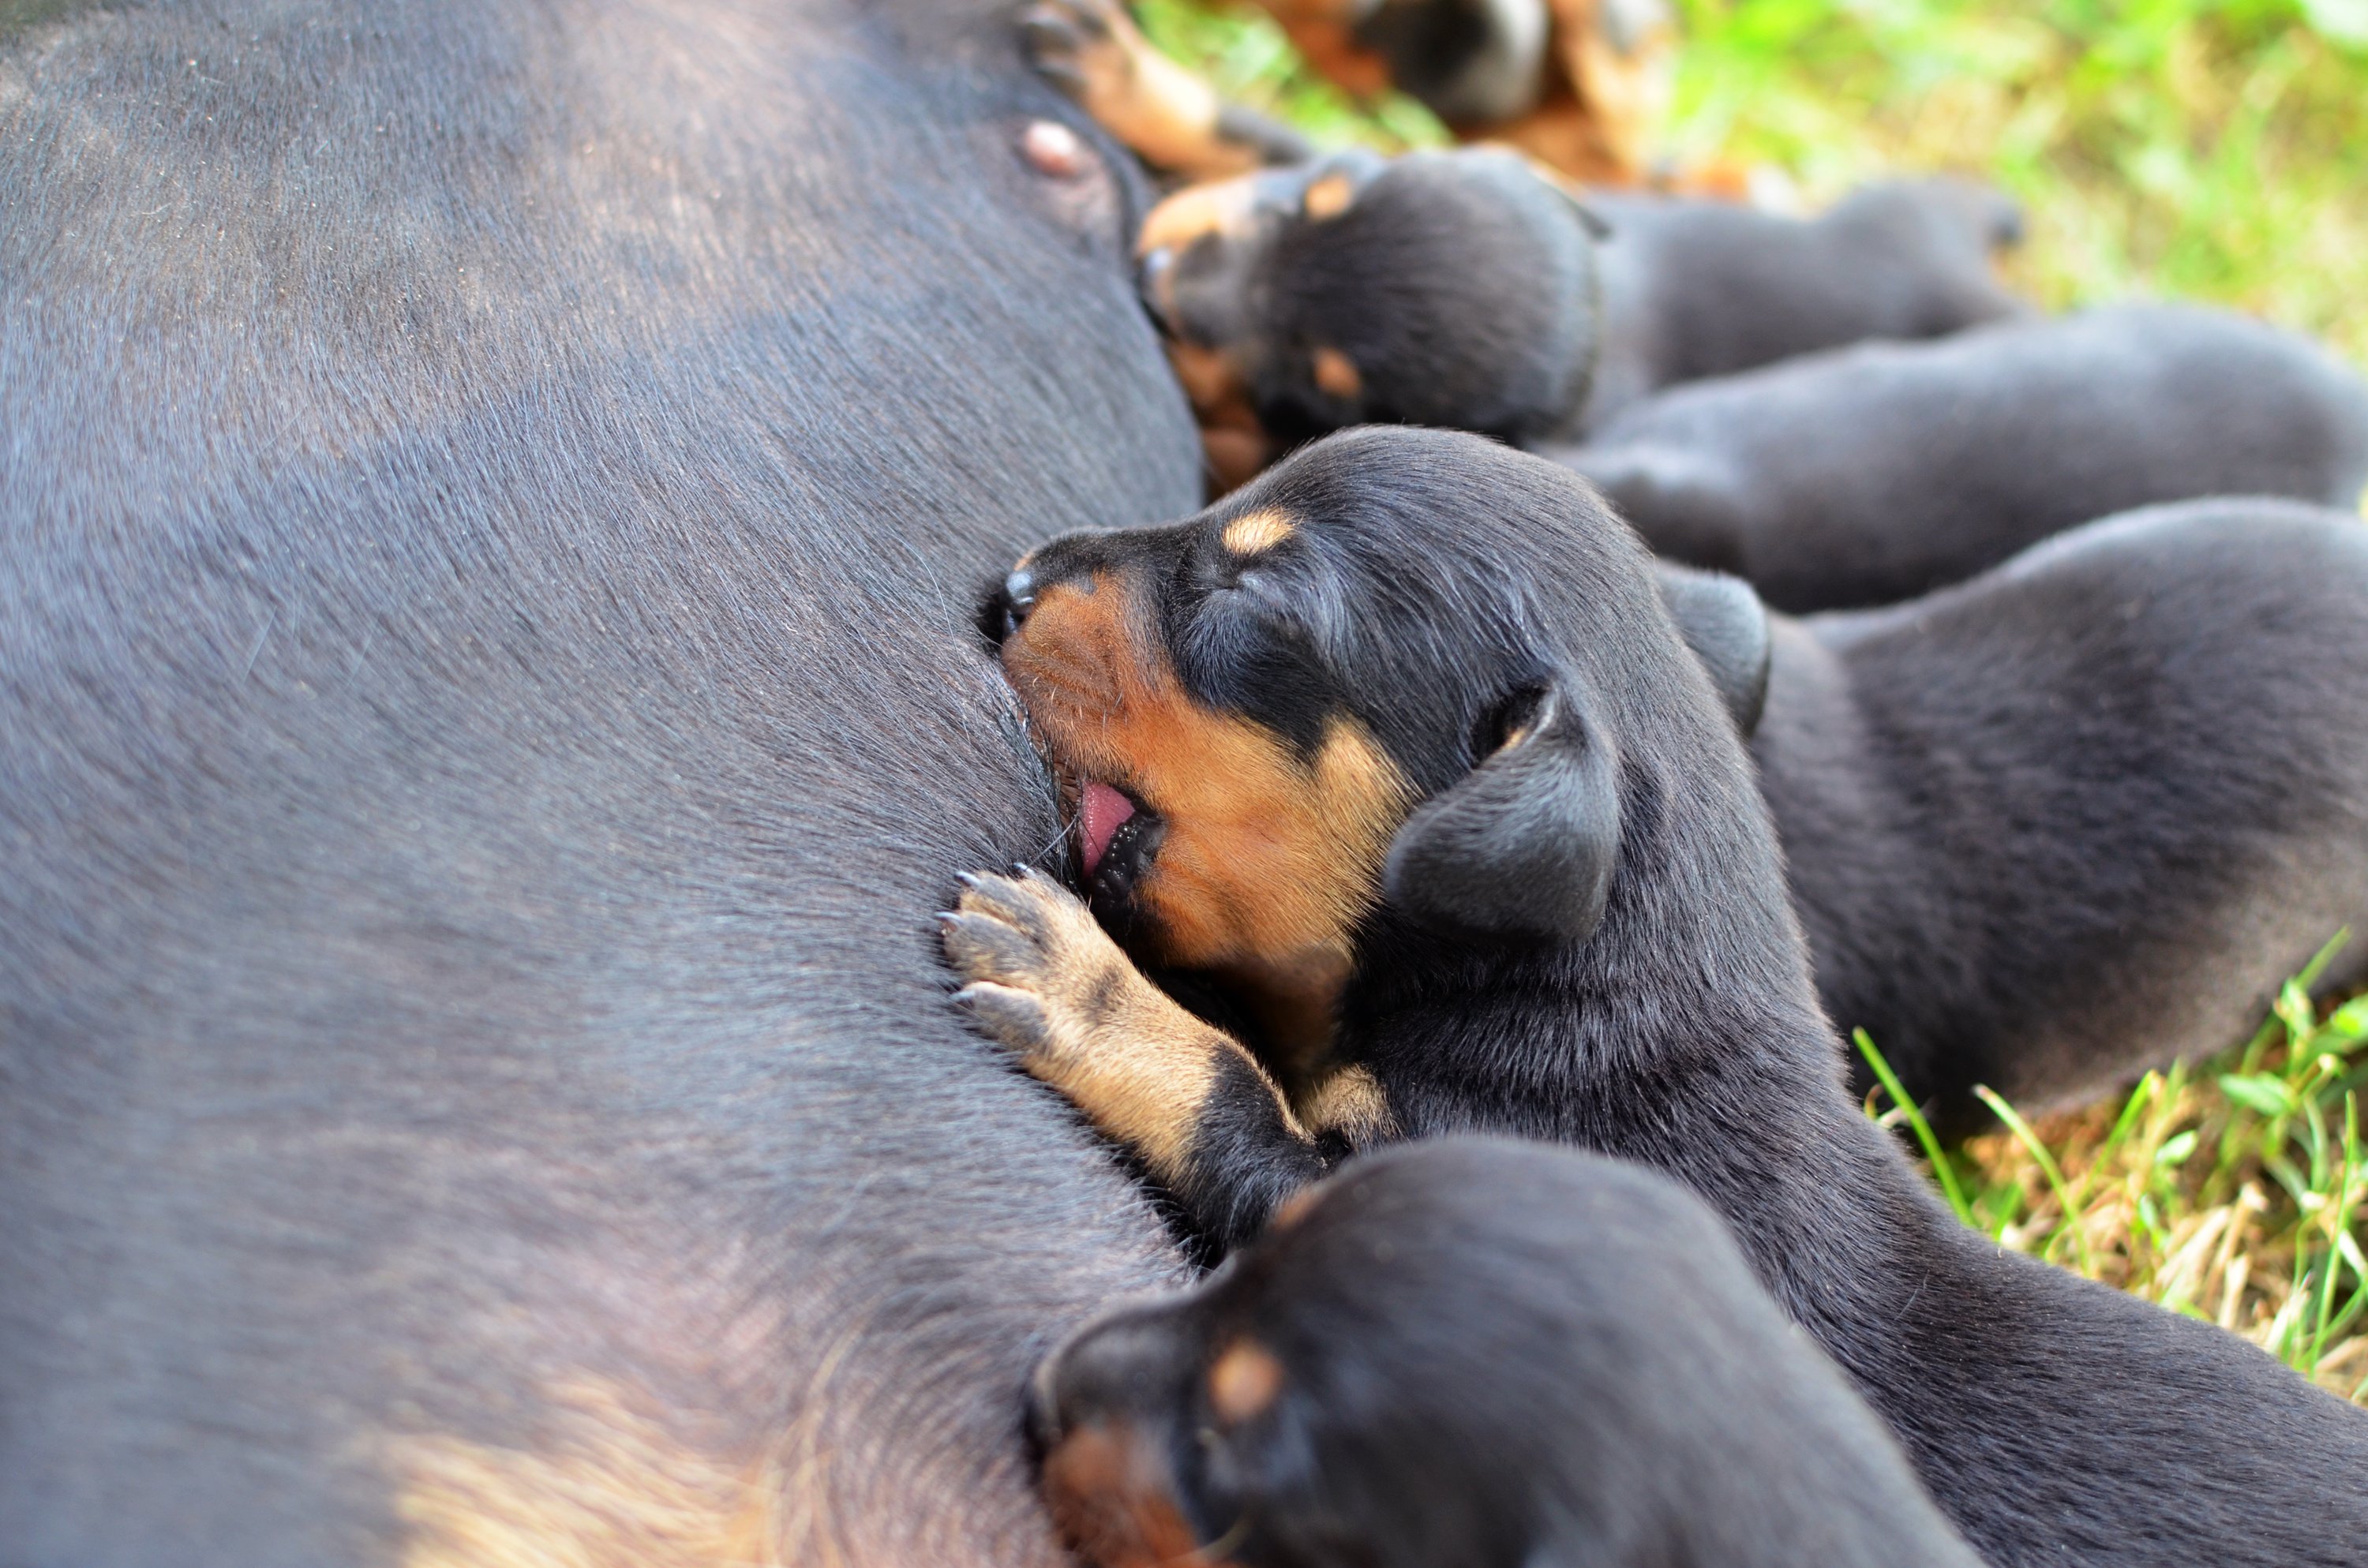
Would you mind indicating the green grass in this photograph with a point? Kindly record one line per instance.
(2166, 147)
(2214, 151)
(2172, 147)
(2233, 1191)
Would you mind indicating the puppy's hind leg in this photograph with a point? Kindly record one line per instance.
(1167, 116)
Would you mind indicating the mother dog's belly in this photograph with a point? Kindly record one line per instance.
(490, 495)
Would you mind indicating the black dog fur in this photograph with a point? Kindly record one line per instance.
(1616, 966)
(1470, 290)
(1874, 473)
(2081, 815)
(1467, 1352)
(490, 492)
(1695, 289)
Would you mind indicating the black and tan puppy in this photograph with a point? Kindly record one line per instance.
(1580, 84)
(1466, 1353)
(2079, 815)
(1874, 473)
(1402, 740)
(1466, 290)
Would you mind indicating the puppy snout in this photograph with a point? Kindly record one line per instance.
(1120, 1365)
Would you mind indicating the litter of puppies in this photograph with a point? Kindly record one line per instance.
(1482, 821)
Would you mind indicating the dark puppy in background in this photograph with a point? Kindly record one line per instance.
(1872, 473)
(2079, 815)
(1467, 1352)
(1403, 740)
(1469, 290)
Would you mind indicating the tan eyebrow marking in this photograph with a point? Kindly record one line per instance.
(1253, 533)
(1328, 196)
(1335, 373)
(1244, 1381)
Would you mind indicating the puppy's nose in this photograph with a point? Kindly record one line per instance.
(1007, 607)
(1043, 1414)
(1018, 598)
(1155, 281)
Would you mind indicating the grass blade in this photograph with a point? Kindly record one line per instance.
(1942, 1171)
(2047, 1167)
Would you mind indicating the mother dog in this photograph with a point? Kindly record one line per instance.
(481, 727)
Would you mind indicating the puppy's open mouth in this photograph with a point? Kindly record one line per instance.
(1117, 836)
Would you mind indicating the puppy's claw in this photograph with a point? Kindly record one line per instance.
(983, 948)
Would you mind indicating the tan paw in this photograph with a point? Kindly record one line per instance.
(1047, 983)
(1093, 51)
(1042, 976)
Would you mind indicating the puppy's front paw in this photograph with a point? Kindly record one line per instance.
(1042, 976)
(1047, 983)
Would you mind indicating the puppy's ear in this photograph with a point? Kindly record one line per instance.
(1723, 622)
(1525, 845)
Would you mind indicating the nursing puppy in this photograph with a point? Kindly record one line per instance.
(1402, 741)
(2079, 815)
(1466, 290)
(1872, 474)
(1467, 1352)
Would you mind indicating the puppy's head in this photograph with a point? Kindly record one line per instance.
(1447, 288)
(1372, 1381)
(1406, 675)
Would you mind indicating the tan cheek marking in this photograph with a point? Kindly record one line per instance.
(1266, 860)
(1266, 857)
(1244, 1382)
(1253, 533)
(1329, 198)
(1270, 860)
(1214, 384)
(1111, 1500)
(1336, 375)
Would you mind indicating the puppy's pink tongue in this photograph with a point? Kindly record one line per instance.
(1102, 809)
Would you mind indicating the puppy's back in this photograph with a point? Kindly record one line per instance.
(2087, 812)
(1871, 474)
